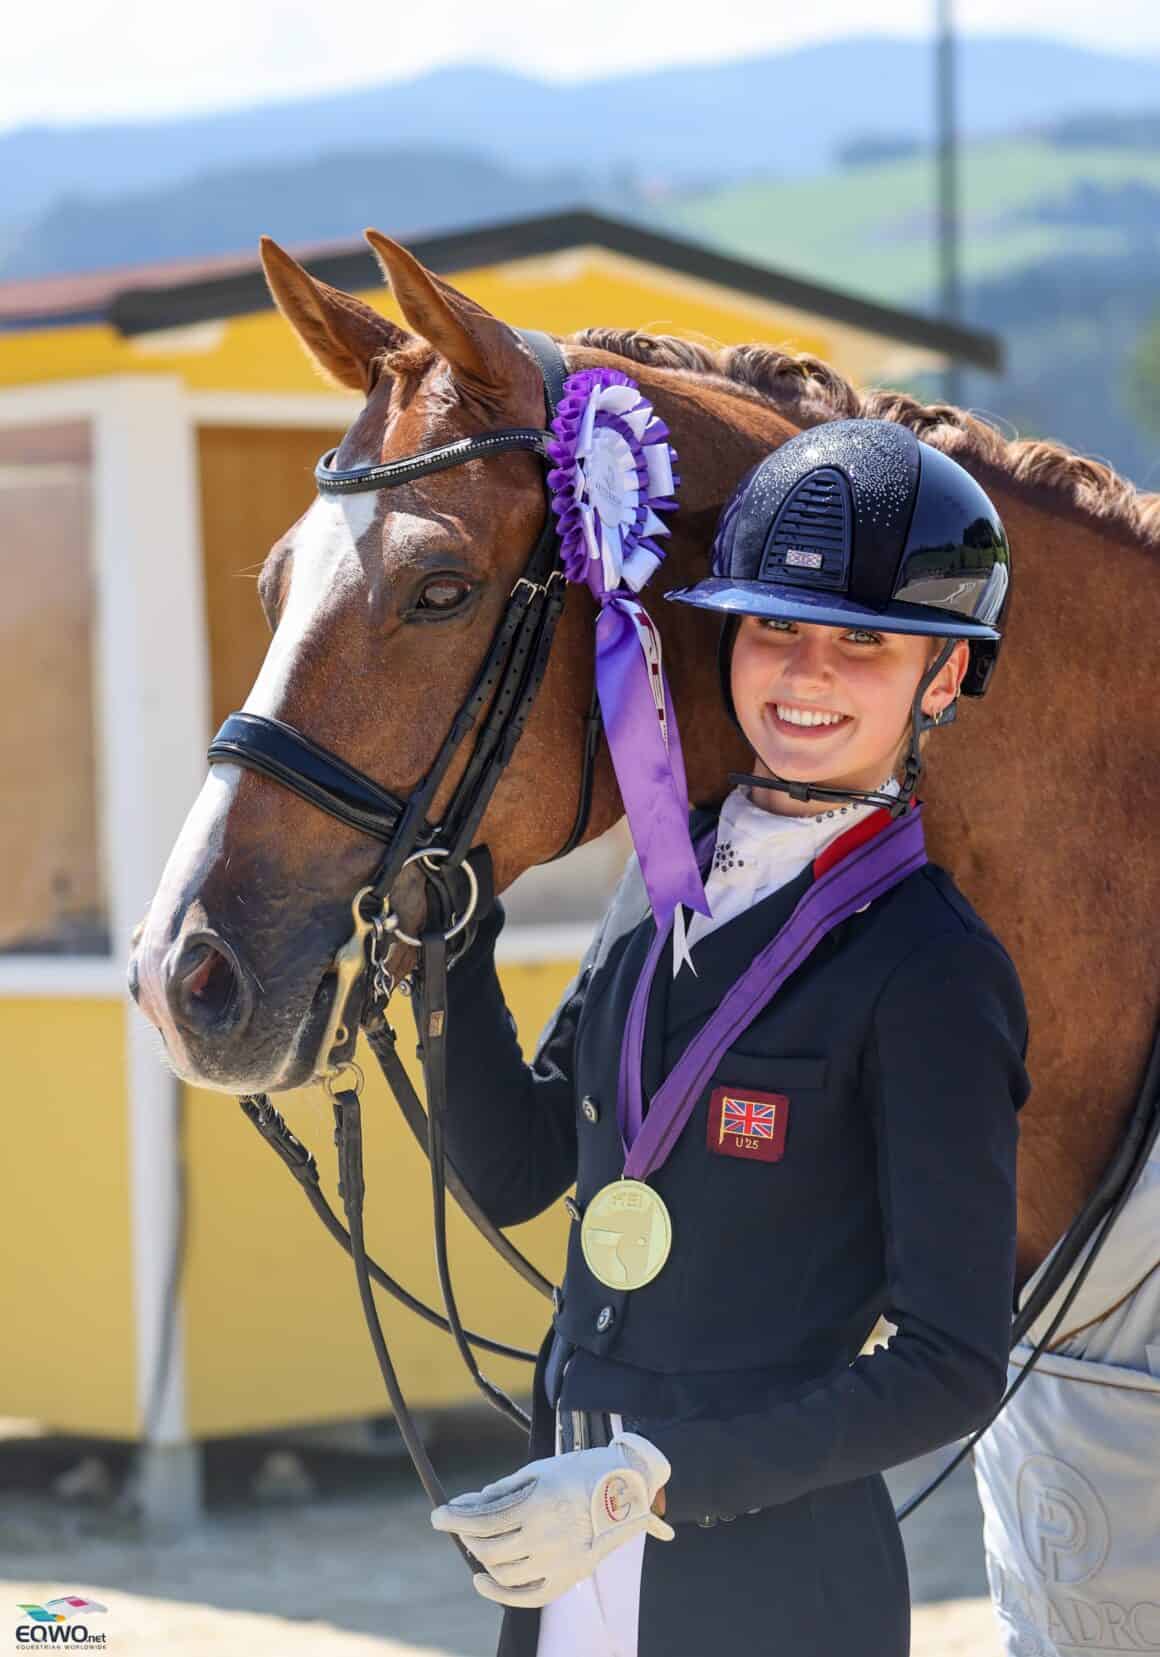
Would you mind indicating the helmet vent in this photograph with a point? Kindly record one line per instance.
(809, 543)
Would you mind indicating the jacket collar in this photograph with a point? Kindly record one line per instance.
(853, 838)
(677, 1007)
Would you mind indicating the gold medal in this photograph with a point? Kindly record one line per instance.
(626, 1234)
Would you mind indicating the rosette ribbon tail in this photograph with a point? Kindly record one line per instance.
(641, 728)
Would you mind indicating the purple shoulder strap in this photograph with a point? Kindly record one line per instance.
(869, 871)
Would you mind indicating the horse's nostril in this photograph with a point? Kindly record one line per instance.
(204, 987)
(196, 980)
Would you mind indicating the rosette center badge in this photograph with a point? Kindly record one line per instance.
(614, 476)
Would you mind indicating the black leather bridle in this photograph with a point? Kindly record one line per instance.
(501, 697)
(506, 687)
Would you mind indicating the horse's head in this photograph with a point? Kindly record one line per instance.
(382, 607)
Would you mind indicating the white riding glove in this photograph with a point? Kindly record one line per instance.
(549, 1525)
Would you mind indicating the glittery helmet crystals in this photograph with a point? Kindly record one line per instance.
(857, 523)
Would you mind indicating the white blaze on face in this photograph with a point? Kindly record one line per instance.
(198, 841)
(325, 565)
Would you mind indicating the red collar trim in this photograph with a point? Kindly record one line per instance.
(853, 838)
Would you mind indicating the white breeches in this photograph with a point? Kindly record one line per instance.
(598, 1616)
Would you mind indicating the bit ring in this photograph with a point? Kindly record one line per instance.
(330, 1081)
(456, 926)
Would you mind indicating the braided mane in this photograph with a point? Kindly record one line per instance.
(808, 391)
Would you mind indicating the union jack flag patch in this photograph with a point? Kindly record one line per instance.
(750, 1125)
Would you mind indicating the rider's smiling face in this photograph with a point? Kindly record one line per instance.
(787, 673)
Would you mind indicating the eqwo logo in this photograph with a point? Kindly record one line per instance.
(56, 1623)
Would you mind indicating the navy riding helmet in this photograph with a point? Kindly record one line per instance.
(858, 523)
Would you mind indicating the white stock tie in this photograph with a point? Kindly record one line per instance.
(756, 853)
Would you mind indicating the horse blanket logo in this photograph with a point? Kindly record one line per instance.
(1061, 1519)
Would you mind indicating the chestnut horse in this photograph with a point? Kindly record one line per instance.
(1041, 802)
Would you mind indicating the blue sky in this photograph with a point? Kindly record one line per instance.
(81, 60)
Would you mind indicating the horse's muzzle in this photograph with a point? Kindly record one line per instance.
(207, 990)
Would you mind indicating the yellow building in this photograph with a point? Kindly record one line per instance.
(158, 431)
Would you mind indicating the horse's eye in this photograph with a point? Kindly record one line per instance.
(444, 593)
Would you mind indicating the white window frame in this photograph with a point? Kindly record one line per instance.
(148, 629)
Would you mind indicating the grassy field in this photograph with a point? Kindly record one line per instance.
(871, 228)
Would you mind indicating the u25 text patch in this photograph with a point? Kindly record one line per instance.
(748, 1124)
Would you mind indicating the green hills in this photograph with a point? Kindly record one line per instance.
(1060, 256)
(873, 228)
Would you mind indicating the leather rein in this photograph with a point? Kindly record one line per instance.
(506, 686)
(499, 703)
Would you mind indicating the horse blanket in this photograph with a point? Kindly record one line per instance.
(1069, 1475)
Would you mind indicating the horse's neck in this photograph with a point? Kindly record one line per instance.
(1042, 804)
(717, 436)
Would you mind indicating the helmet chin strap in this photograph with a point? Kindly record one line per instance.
(896, 804)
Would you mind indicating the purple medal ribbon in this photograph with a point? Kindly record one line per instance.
(869, 871)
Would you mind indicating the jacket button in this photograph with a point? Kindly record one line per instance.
(605, 1319)
(707, 1522)
(590, 1109)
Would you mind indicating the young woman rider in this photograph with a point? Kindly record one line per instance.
(817, 1108)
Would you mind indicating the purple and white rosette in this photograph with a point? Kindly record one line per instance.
(614, 476)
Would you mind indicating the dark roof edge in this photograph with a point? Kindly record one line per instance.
(41, 321)
(143, 310)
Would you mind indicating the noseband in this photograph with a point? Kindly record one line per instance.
(506, 687)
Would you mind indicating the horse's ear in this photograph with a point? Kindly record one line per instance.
(484, 354)
(343, 335)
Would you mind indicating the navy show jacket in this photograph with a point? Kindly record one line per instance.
(899, 1044)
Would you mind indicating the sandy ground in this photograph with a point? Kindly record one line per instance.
(336, 1558)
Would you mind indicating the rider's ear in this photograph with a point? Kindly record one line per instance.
(485, 357)
(343, 335)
